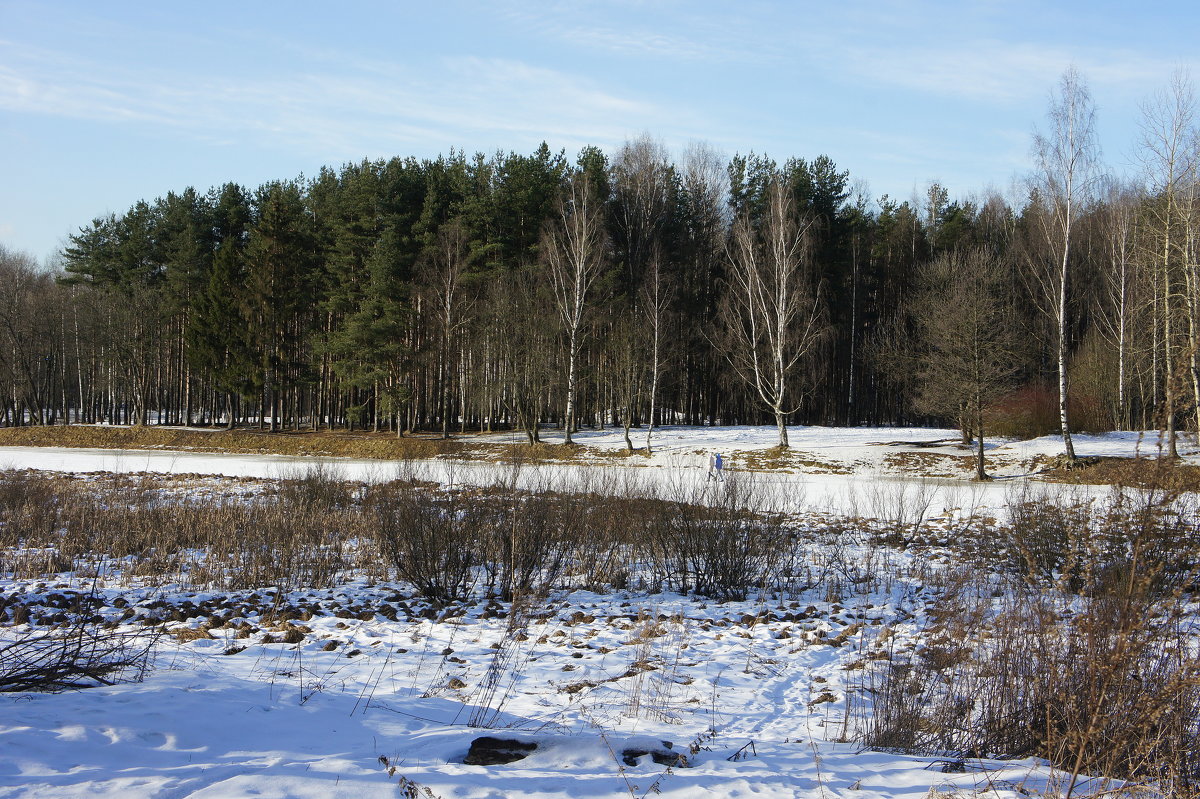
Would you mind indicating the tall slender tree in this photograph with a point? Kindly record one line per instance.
(443, 274)
(279, 257)
(773, 312)
(1066, 157)
(575, 249)
(1170, 159)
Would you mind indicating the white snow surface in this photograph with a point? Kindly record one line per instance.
(363, 704)
(850, 470)
(279, 720)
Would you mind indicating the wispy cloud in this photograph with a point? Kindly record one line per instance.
(660, 31)
(632, 41)
(361, 107)
(993, 70)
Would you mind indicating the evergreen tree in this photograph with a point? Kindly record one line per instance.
(280, 277)
(219, 334)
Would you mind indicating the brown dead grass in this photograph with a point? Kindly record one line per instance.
(1158, 473)
(780, 459)
(340, 444)
(544, 452)
(930, 464)
(251, 442)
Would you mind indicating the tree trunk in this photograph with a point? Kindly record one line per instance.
(570, 412)
(1064, 422)
(980, 473)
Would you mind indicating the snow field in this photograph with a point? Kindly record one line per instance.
(589, 675)
(352, 691)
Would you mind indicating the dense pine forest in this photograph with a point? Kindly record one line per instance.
(629, 288)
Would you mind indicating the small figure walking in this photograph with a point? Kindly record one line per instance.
(715, 464)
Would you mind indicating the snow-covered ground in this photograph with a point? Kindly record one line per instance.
(360, 704)
(378, 697)
(863, 471)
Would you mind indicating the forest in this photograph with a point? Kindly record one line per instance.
(510, 290)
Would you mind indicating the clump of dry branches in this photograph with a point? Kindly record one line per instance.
(1079, 648)
(82, 656)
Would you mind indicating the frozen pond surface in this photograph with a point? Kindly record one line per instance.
(866, 471)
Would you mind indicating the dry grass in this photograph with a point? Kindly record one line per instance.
(777, 459)
(250, 442)
(545, 452)
(1158, 473)
(1067, 635)
(930, 464)
(315, 529)
(340, 444)
(301, 535)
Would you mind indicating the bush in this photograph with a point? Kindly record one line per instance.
(1090, 662)
(713, 542)
(1026, 413)
(431, 541)
(320, 486)
(532, 537)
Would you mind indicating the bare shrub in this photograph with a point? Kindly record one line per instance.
(27, 504)
(247, 546)
(903, 505)
(532, 536)
(1028, 412)
(80, 654)
(29, 518)
(1059, 538)
(713, 540)
(1089, 660)
(430, 539)
(320, 485)
(1047, 537)
(127, 524)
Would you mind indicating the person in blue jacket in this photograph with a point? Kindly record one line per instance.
(716, 463)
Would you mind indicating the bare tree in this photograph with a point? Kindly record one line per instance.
(521, 380)
(442, 274)
(704, 180)
(772, 312)
(1120, 294)
(967, 346)
(657, 294)
(1169, 157)
(575, 248)
(628, 347)
(30, 345)
(1066, 159)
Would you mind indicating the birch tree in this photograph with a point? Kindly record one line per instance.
(772, 313)
(1120, 293)
(657, 295)
(575, 248)
(642, 185)
(1169, 159)
(443, 272)
(1066, 157)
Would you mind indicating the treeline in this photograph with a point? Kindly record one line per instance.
(465, 293)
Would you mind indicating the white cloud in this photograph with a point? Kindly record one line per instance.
(359, 107)
(993, 70)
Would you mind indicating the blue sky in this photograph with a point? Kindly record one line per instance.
(103, 104)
